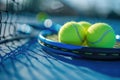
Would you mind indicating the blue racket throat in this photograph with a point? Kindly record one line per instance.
(75, 51)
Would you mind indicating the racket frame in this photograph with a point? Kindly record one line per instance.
(76, 51)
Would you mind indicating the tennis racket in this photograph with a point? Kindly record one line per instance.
(75, 51)
(61, 48)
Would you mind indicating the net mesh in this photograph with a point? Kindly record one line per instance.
(8, 26)
(9, 10)
(17, 57)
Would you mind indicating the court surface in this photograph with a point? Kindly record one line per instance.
(30, 62)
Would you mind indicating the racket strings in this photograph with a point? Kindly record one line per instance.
(76, 51)
(54, 37)
(101, 52)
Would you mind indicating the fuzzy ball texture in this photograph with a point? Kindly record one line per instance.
(85, 25)
(71, 33)
(101, 35)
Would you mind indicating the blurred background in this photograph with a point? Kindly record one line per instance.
(89, 8)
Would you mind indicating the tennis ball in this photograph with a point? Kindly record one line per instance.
(41, 16)
(85, 25)
(71, 33)
(101, 35)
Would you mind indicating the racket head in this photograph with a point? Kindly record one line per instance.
(76, 51)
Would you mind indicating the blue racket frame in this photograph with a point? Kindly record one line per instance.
(75, 51)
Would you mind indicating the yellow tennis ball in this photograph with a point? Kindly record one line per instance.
(41, 16)
(85, 25)
(71, 33)
(101, 35)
